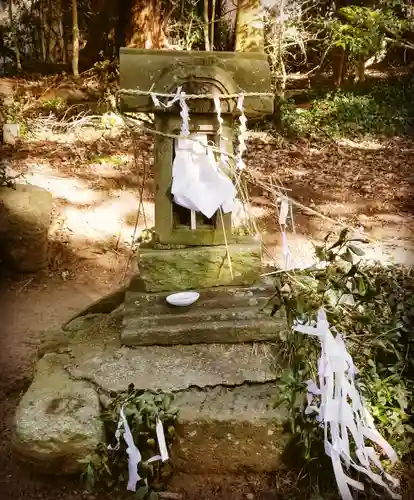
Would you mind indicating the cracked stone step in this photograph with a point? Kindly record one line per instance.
(224, 393)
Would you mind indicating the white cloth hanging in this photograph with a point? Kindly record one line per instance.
(198, 182)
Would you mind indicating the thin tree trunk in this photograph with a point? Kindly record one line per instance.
(75, 55)
(13, 28)
(61, 38)
(213, 23)
(42, 30)
(206, 27)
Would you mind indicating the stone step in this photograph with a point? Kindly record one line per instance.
(224, 393)
(222, 314)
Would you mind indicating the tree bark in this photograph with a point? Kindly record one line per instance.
(75, 55)
(42, 30)
(249, 26)
(206, 27)
(148, 20)
(14, 34)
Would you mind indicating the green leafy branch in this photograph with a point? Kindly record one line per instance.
(372, 306)
(108, 468)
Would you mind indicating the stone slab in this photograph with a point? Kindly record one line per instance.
(221, 315)
(168, 369)
(57, 422)
(225, 430)
(199, 267)
(163, 71)
(224, 394)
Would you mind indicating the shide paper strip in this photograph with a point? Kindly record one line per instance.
(243, 129)
(283, 214)
(134, 455)
(198, 183)
(342, 413)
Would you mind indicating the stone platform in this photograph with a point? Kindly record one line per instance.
(225, 394)
(222, 314)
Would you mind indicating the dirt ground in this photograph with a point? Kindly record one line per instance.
(95, 179)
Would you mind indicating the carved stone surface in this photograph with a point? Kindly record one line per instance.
(164, 71)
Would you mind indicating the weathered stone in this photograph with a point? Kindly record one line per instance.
(199, 267)
(163, 71)
(57, 422)
(168, 369)
(104, 305)
(24, 223)
(224, 430)
(221, 315)
(224, 394)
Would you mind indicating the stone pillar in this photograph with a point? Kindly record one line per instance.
(181, 257)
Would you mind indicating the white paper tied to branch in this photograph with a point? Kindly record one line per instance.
(134, 455)
(198, 182)
(342, 413)
(243, 129)
(283, 214)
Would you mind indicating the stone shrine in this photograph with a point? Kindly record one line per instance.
(224, 385)
(181, 257)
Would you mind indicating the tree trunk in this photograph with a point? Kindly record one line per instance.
(147, 24)
(14, 34)
(75, 55)
(339, 66)
(249, 26)
(206, 27)
(42, 29)
(213, 23)
(360, 70)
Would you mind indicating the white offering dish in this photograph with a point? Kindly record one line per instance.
(183, 298)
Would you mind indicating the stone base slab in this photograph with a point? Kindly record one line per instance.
(221, 315)
(198, 267)
(224, 393)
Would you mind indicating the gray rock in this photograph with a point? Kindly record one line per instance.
(229, 429)
(24, 224)
(198, 267)
(168, 369)
(57, 422)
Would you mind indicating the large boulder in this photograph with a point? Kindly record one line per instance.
(25, 213)
(57, 423)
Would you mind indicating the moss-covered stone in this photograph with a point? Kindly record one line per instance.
(199, 267)
(228, 72)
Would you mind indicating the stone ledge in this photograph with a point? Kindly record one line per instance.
(225, 430)
(224, 394)
(221, 315)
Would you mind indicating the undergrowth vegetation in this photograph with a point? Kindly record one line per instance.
(385, 108)
(107, 468)
(372, 306)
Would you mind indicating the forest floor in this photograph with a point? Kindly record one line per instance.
(95, 179)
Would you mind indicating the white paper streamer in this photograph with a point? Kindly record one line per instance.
(217, 106)
(134, 455)
(341, 412)
(283, 214)
(242, 143)
(198, 183)
(179, 96)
